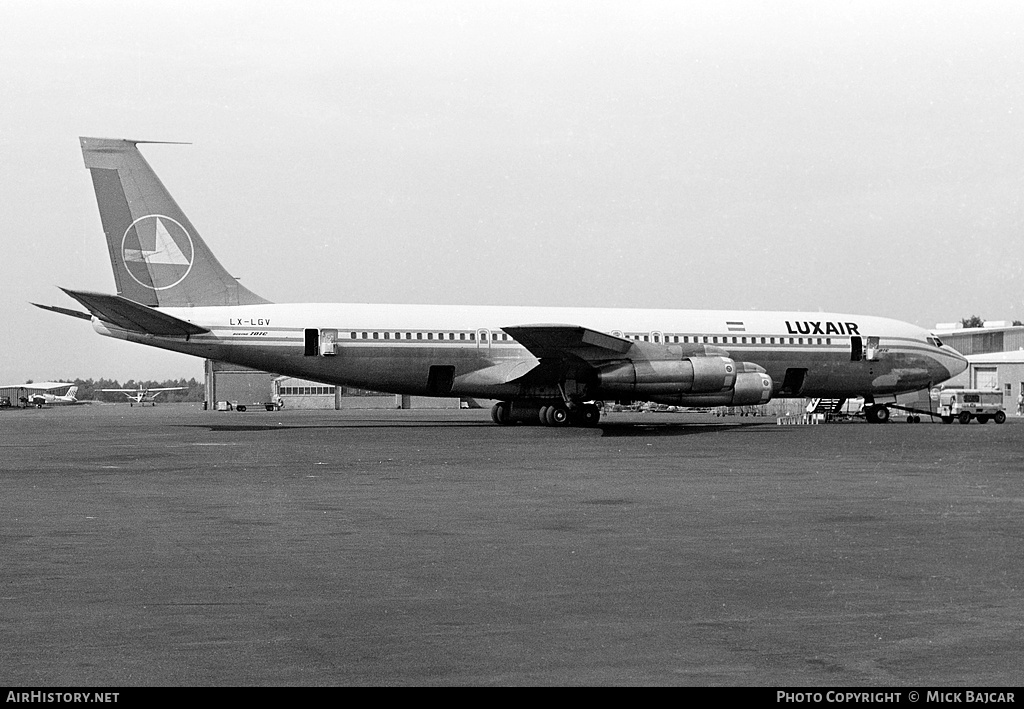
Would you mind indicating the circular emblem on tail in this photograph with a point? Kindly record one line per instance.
(157, 251)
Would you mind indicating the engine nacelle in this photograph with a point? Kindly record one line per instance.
(752, 388)
(697, 381)
(649, 379)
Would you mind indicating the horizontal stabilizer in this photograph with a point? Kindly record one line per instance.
(133, 316)
(558, 341)
(65, 311)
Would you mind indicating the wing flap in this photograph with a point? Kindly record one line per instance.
(133, 316)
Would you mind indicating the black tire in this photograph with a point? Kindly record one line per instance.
(947, 419)
(585, 415)
(558, 415)
(881, 414)
(500, 413)
(1000, 417)
(964, 417)
(542, 416)
(983, 419)
(240, 408)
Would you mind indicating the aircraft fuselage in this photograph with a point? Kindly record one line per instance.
(393, 348)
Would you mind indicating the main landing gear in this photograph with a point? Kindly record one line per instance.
(558, 414)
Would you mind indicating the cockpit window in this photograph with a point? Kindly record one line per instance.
(935, 341)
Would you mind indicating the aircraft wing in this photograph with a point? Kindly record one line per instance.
(569, 342)
(145, 390)
(573, 349)
(133, 316)
(38, 386)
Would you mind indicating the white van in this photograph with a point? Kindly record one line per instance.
(965, 404)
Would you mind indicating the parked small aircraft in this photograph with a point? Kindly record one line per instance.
(41, 394)
(142, 395)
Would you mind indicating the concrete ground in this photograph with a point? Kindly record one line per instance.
(174, 546)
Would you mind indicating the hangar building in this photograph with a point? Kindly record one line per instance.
(995, 355)
(303, 394)
(230, 384)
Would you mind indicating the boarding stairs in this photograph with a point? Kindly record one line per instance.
(829, 407)
(820, 410)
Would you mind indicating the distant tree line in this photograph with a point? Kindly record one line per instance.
(975, 321)
(90, 389)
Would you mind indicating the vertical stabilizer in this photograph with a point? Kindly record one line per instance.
(157, 255)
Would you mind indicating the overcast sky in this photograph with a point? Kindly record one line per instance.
(860, 157)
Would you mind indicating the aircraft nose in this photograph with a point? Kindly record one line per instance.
(956, 363)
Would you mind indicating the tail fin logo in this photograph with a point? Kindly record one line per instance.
(157, 251)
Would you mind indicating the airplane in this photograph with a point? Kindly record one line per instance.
(546, 365)
(141, 395)
(38, 393)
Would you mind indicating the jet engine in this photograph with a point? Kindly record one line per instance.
(750, 389)
(694, 381)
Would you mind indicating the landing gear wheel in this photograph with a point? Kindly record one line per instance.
(542, 415)
(500, 413)
(557, 415)
(877, 413)
(1000, 417)
(881, 414)
(965, 417)
(585, 415)
(590, 415)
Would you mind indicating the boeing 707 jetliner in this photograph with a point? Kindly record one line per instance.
(542, 364)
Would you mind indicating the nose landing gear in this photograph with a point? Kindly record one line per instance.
(877, 413)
